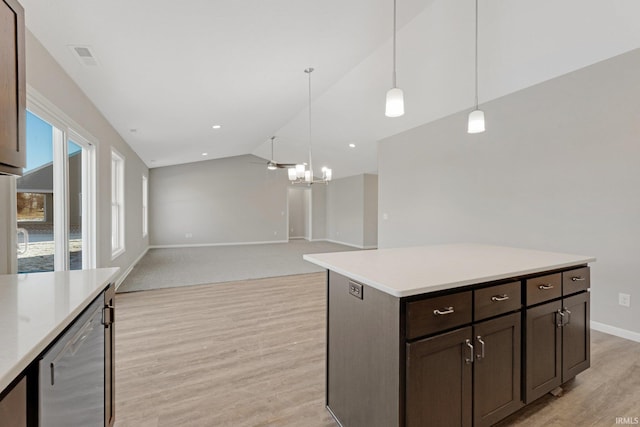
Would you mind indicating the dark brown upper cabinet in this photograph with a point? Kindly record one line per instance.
(12, 88)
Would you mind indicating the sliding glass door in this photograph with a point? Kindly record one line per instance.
(55, 212)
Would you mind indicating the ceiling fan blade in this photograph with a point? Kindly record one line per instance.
(286, 165)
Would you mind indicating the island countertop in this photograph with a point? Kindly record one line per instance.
(403, 272)
(36, 307)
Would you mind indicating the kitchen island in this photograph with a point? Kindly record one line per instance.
(36, 310)
(455, 335)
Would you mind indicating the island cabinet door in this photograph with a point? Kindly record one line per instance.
(439, 380)
(543, 350)
(497, 369)
(575, 336)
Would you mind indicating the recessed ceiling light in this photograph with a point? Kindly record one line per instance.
(352, 145)
(216, 126)
(205, 154)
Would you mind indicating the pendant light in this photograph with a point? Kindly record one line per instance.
(476, 117)
(303, 173)
(395, 96)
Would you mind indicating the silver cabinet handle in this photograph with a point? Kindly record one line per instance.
(469, 359)
(560, 322)
(502, 297)
(545, 287)
(481, 355)
(568, 317)
(446, 310)
(578, 279)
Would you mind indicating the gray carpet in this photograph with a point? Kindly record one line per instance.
(168, 268)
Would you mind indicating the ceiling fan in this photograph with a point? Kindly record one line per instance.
(273, 165)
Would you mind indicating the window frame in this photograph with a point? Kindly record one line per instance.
(118, 246)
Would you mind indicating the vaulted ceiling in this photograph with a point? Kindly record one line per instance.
(167, 71)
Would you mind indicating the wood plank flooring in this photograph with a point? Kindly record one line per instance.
(238, 354)
(252, 353)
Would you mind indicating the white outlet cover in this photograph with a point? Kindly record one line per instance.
(624, 300)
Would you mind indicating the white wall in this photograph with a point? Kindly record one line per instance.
(556, 170)
(222, 201)
(296, 212)
(48, 79)
(319, 212)
(370, 218)
(351, 218)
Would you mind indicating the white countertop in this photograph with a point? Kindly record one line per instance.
(403, 272)
(36, 307)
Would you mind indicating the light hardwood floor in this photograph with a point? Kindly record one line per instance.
(252, 353)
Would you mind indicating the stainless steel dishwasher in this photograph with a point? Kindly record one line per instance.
(71, 391)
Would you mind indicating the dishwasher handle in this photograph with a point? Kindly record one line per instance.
(73, 344)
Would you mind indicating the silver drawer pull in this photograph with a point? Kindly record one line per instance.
(545, 287)
(471, 353)
(502, 297)
(578, 279)
(481, 355)
(447, 310)
(560, 322)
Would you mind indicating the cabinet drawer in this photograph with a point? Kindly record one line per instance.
(544, 288)
(495, 300)
(432, 315)
(574, 281)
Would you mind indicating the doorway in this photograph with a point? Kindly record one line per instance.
(299, 205)
(55, 204)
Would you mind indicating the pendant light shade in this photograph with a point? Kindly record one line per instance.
(395, 96)
(476, 117)
(395, 103)
(476, 121)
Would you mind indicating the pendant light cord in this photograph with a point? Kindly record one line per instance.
(476, 69)
(394, 44)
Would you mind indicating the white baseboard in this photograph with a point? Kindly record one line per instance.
(338, 242)
(128, 270)
(200, 245)
(612, 330)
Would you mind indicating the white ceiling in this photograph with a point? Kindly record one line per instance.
(170, 70)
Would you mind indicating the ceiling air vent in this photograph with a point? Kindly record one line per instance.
(84, 55)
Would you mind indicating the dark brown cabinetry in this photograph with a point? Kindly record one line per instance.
(470, 376)
(439, 380)
(465, 357)
(12, 88)
(497, 369)
(13, 405)
(558, 331)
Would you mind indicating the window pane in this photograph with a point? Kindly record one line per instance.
(35, 198)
